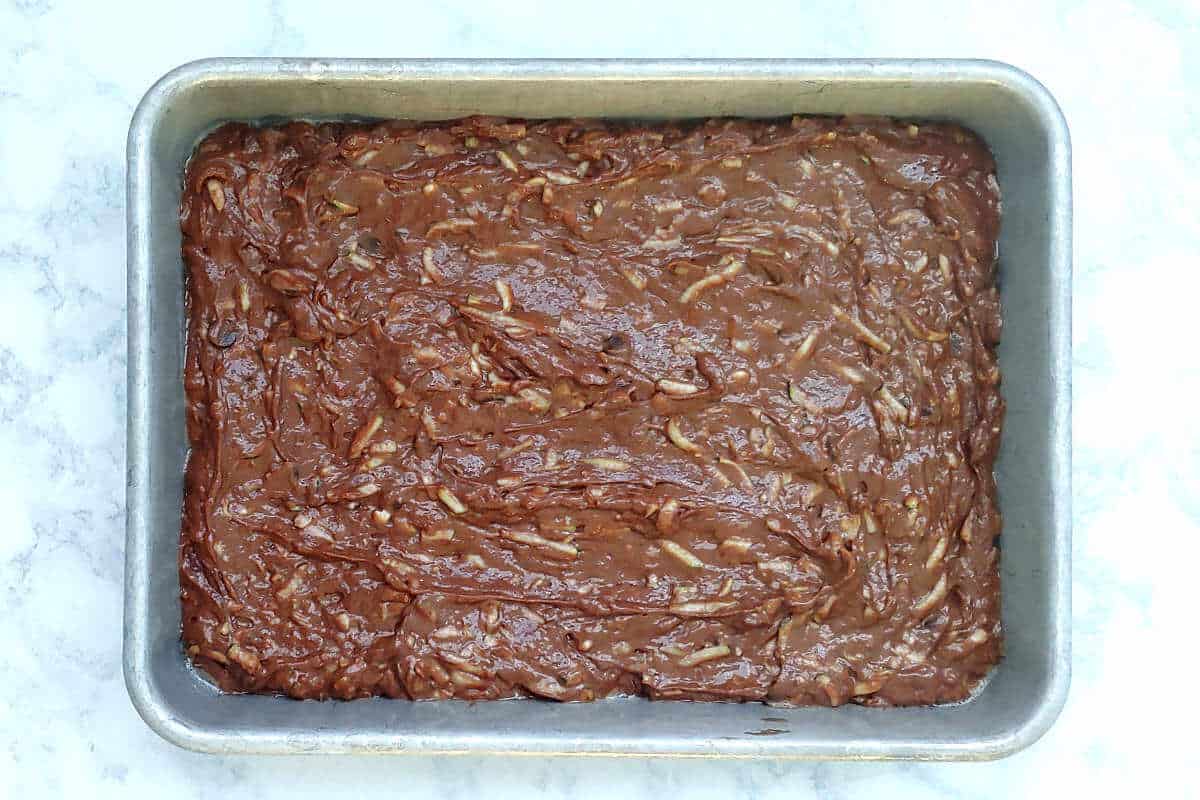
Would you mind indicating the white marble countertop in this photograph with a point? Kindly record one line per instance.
(1127, 76)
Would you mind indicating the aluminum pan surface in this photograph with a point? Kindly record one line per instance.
(1029, 138)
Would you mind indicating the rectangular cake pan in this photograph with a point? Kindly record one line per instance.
(1028, 135)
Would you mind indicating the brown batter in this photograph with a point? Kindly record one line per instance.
(485, 409)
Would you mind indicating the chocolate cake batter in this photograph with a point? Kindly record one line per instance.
(487, 409)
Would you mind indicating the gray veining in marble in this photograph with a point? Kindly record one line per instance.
(1128, 78)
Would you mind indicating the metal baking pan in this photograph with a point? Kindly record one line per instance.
(1028, 136)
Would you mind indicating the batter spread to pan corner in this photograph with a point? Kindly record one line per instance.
(491, 408)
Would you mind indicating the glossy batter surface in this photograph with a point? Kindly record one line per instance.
(488, 408)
